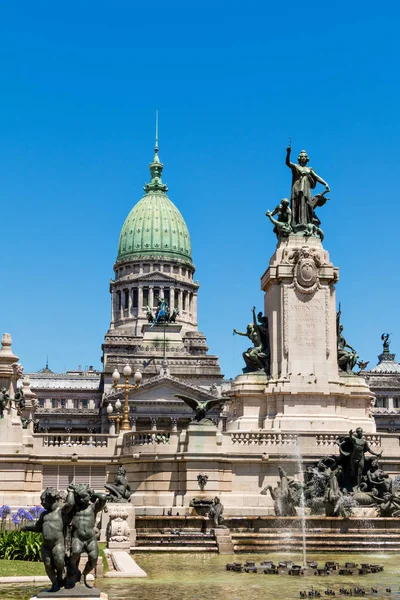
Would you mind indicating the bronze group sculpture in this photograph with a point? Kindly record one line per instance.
(338, 484)
(68, 529)
(299, 218)
(163, 314)
(257, 358)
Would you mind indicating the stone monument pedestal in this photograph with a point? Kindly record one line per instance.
(124, 514)
(305, 391)
(78, 592)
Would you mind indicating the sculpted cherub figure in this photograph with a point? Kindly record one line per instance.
(87, 504)
(51, 524)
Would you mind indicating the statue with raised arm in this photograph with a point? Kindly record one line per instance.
(283, 224)
(83, 531)
(303, 204)
(386, 343)
(257, 357)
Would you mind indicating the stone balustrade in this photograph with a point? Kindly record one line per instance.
(69, 440)
(146, 438)
(263, 438)
(330, 439)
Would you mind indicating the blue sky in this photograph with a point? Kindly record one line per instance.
(80, 85)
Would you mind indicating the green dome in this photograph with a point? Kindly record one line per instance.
(155, 228)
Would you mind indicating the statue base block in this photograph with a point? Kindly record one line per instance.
(80, 592)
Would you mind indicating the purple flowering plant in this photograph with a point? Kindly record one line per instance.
(36, 511)
(5, 510)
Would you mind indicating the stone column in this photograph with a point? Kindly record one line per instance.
(140, 299)
(180, 302)
(151, 297)
(194, 308)
(171, 299)
(112, 309)
(390, 403)
(161, 291)
(129, 301)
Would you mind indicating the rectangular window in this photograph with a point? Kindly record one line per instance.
(145, 296)
(119, 301)
(63, 402)
(176, 270)
(156, 268)
(176, 299)
(166, 295)
(85, 403)
(41, 402)
(184, 301)
(167, 268)
(126, 299)
(381, 402)
(183, 272)
(146, 268)
(135, 298)
(54, 403)
(156, 296)
(396, 402)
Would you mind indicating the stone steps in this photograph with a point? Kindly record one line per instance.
(310, 535)
(170, 542)
(171, 548)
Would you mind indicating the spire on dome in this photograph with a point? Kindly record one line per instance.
(156, 168)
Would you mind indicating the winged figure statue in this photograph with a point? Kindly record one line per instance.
(200, 408)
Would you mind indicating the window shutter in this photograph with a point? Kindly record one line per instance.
(50, 476)
(65, 476)
(98, 478)
(82, 474)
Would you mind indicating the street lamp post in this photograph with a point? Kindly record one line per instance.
(117, 417)
(127, 387)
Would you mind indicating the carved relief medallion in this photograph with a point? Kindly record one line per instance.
(306, 270)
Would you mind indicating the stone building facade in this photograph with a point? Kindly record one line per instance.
(154, 263)
(384, 381)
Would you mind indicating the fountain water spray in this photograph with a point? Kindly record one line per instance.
(302, 506)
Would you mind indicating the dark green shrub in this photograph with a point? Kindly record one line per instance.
(20, 545)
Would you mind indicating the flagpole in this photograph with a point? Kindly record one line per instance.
(164, 340)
